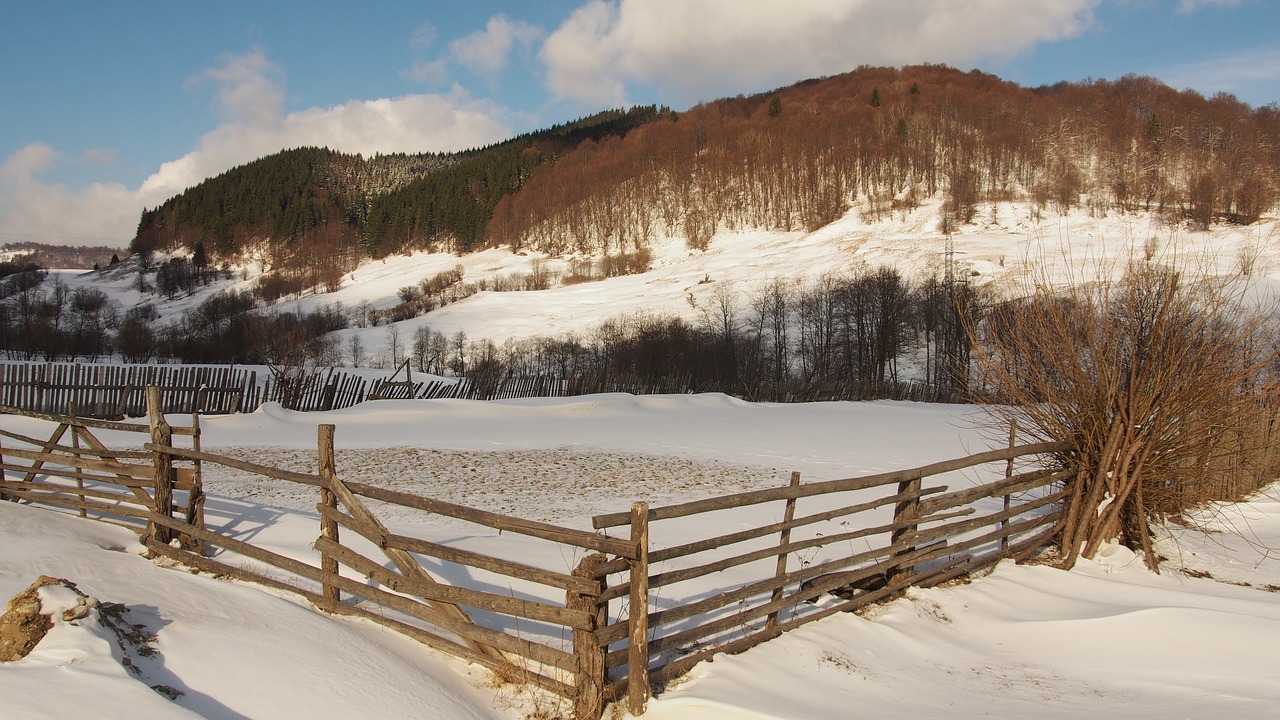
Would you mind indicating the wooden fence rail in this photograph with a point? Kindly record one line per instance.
(635, 611)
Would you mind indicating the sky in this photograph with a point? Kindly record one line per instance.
(114, 107)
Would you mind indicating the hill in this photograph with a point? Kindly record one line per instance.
(313, 211)
(880, 140)
(690, 250)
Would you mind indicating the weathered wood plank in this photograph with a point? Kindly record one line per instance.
(532, 528)
(468, 558)
(41, 459)
(23, 490)
(455, 595)
(94, 492)
(714, 543)
(829, 486)
(423, 636)
(959, 528)
(1015, 484)
(255, 468)
(469, 631)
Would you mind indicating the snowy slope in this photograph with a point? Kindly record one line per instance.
(1006, 246)
(1108, 639)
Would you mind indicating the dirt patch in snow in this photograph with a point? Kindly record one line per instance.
(551, 485)
(23, 625)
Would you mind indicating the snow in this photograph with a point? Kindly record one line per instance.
(1108, 639)
(1007, 247)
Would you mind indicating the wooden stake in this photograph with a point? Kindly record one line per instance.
(784, 539)
(1008, 473)
(161, 435)
(195, 496)
(328, 526)
(75, 451)
(591, 675)
(638, 690)
(903, 515)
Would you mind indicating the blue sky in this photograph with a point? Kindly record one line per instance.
(112, 107)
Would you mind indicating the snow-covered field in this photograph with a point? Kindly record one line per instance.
(1108, 639)
(1006, 247)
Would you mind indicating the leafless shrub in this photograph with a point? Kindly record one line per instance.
(1158, 385)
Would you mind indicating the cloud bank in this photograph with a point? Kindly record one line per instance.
(1243, 70)
(714, 48)
(250, 99)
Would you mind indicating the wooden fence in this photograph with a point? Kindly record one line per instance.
(75, 470)
(635, 612)
(117, 391)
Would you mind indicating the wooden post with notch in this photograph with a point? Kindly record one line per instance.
(195, 495)
(1008, 473)
(75, 452)
(904, 513)
(590, 679)
(638, 627)
(784, 539)
(328, 526)
(162, 437)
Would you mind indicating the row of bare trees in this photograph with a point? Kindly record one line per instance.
(883, 138)
(865, 331)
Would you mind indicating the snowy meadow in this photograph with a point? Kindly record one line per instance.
(1109, 638)
(1024, 640)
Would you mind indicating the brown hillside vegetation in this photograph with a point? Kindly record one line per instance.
(882, 138)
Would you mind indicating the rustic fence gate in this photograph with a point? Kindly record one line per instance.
(617, 637)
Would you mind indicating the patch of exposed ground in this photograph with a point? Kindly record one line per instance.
(551, 485)
(23, 625)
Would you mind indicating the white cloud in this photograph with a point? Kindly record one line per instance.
(250, 87)
(1252, 73)
(100, 156)
(250, 97)
(427, 72)
(486, 52)
(423, 37)
(1187, 6)
(721, 47)
(30, 209)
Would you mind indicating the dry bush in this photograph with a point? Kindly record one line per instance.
(1157, 384)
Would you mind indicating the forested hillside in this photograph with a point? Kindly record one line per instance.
(884, 138)
(798, 157)
(309, 212)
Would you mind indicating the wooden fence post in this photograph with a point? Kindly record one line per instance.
(162, 436)
(1008, 473)
(787, 516)
(195, 496)
(590, 678)
(638, 638)
(328, 498)
(904, 512)
(3, 477)
(75, 452)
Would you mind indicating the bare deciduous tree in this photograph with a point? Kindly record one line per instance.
(1156, 383)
